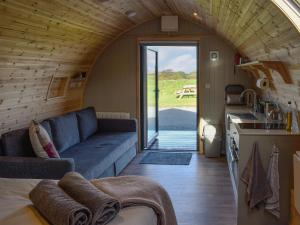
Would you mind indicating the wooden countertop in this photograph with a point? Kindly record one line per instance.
(260, 119)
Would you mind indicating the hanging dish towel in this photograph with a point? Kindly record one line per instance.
(254, 176)
(272, 203)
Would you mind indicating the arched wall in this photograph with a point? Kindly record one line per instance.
(112, 86)
(46, 38)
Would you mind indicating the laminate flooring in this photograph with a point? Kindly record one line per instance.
(201, 192)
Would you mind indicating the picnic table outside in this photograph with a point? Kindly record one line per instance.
(187, 90)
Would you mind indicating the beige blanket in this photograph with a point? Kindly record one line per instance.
(140, 191)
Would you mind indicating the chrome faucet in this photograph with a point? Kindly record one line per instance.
(254, 97)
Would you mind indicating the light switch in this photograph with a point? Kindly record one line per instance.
(207, 86)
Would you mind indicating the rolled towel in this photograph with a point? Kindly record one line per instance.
(58, 207)
(103, 207)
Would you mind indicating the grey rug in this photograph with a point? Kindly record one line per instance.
(167, 158)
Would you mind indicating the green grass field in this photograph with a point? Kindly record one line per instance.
(167, 94)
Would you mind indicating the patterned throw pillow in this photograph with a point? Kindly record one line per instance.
(41, 142)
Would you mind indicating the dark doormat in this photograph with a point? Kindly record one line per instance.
(167, 158)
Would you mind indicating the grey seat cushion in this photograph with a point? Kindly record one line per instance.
(93, 156)
(65, 132)
(17, 143)
(87, 122)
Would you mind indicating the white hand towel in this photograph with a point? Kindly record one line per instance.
(272, 203)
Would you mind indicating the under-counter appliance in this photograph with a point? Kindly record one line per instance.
(232, 153)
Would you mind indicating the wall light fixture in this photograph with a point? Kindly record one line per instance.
(214, 55)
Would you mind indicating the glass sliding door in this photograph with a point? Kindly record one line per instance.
(150, 95)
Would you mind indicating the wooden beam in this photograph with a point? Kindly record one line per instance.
(280, 68)
(266, 67)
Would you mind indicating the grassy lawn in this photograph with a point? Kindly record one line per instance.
(167, 94)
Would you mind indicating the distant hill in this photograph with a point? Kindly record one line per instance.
(176, 75)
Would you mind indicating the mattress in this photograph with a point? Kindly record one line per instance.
(16, 207)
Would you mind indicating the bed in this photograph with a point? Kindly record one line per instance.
(16, 207)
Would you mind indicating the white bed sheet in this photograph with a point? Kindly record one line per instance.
(16, 207)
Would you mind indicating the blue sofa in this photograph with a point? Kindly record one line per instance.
(93, 147)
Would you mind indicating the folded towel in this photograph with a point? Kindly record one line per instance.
(103, 207)
(140, 191)
(254, 176)
(57, 207)
(272, 203)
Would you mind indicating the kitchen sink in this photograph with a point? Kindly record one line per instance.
(265, 126)
(244, 116)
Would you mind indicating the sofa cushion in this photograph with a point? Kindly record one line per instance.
(93, 156)
(17, 143)
(64, 131)
(41, 142)
(47, 127)
(87, 122)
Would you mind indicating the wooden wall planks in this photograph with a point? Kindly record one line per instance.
(39, 39)
(42, 39)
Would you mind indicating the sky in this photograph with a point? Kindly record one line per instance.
(179, 58)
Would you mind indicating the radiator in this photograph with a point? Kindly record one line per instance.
(113, 115)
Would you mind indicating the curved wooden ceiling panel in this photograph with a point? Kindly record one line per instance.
(40, 39)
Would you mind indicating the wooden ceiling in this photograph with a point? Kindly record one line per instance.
(40, 39)
(257, 28)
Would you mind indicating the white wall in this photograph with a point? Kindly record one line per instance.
(112, 83)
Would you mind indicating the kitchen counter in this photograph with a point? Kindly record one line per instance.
(260, 119)
(239, 144)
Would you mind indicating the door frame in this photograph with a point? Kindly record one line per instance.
(144, 104)
(172, 40)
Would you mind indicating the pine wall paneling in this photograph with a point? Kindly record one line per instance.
(40, 39)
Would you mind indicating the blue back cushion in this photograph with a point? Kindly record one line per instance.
(17, 143)
(87, 122)
(64, 131)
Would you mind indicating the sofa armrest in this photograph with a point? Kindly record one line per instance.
(117, 125)
(35, 168)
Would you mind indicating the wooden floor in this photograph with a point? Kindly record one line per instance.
(201, 192)
(176, 140)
